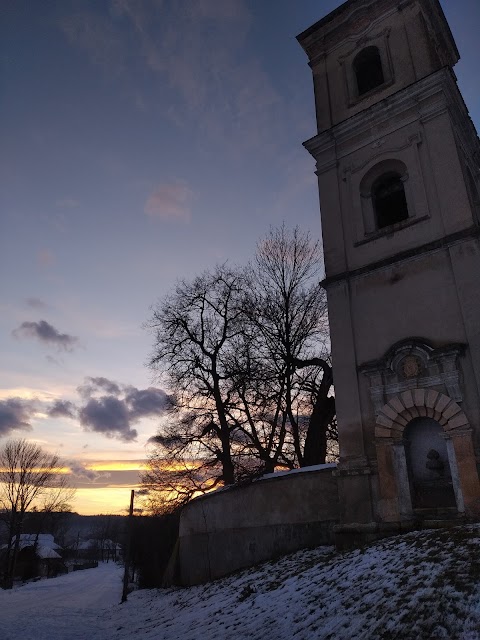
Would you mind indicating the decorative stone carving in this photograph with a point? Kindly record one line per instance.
(413, 364)
(410, 366)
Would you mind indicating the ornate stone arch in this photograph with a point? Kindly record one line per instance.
(394, 416)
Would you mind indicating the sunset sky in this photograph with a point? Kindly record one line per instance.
(142, 141)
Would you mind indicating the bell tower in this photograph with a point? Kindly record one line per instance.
(397, 159)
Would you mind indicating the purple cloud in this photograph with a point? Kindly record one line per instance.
(109, 416)
(46, 333)
(146, 402)
(94, 385)
(62, 409)
(16, 413)
(111, 408)
(79, 469)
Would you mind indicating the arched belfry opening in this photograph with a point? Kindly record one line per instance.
(389, 200)
(429, 471)
(368, 69)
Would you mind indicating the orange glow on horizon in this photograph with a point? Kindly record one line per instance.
(92, 499)
(135, 465)
(109, 500)
(116, 465)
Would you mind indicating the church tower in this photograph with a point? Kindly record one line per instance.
(397, 159)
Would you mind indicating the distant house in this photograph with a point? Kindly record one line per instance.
(38, 556)
(103, 550)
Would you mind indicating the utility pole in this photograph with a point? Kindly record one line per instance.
(127, 549)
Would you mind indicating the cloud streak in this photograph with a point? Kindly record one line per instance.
(200, 50)
(45, 258)
(67, 203)
(170, 202)
(36, 303)
(80, 470)
(98, 37)
(46, 333)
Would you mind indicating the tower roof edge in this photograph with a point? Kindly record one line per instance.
(349, 10)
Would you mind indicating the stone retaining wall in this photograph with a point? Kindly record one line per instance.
(239, 527)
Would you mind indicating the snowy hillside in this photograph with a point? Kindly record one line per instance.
(420, 586)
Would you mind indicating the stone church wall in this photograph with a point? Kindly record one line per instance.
(239, 527)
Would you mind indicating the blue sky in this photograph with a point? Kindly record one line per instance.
(142, 142)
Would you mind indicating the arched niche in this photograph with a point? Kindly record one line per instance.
(428, 465)
(391, 437)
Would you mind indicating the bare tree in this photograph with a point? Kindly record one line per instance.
(28, 476)
(106, 531)
(289, 309)
(195, 330)
(52, 507)
(244, 353)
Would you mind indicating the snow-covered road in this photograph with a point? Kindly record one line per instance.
(66, 608)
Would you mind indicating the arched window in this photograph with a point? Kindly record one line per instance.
(389, 201)
(368, 70)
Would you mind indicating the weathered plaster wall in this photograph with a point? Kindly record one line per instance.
(242, 526)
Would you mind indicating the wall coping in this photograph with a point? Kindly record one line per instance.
(328, 467)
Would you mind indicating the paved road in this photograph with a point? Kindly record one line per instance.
(69, 607)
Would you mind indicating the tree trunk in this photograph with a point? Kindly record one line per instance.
(323, 412)
(12, 565)
(316, 441)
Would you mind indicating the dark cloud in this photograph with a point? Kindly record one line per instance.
(111, 408)
(146, 402)
(46, 333)
(16, 413)
(91, 386)
(62, 409)
(108, 415)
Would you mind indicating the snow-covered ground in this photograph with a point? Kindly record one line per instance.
(70, 607)
(420, 586)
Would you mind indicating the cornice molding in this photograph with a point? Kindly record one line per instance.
(423, 100)
(464, 235)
